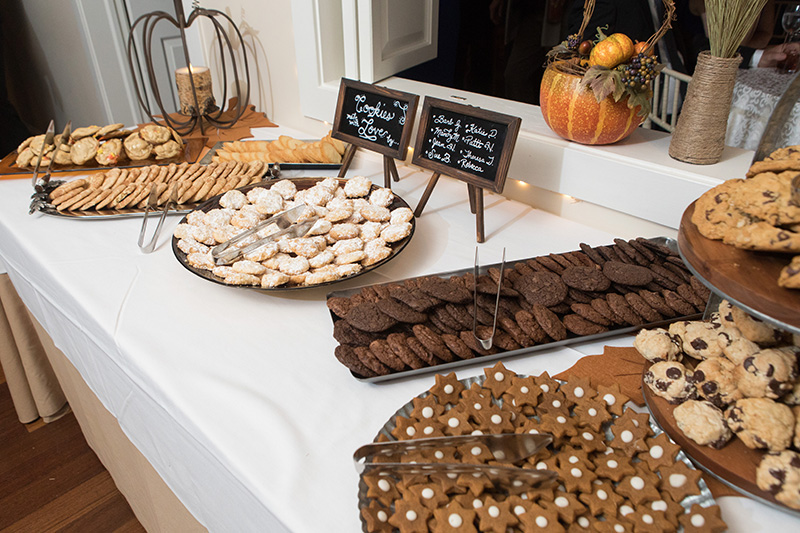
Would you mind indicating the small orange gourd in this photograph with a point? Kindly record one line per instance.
(615, 49)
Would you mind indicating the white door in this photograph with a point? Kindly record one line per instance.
(395, 35)
(365, 39)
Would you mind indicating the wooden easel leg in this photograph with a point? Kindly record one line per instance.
(347, 159)
(471, 192)
(387, 180)
(426, 194)
(479, 214)
(393, 169)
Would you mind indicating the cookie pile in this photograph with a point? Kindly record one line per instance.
(285, 149)
(757, 213)
(614, 474)
(358, 224)
(426, 321)
(103, 145)
(733, 375)
(131, 188)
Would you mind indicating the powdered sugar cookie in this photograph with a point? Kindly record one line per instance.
(248, 267)
(304, 247)
(371, 230)
(262, 253)
(224, 233)
(189, 246)
(320, 227)
(196, 218)
(268, 203)
(285, 188)
(245, 220)
(293, 265)
(321, 276)
(357, 187)
(238, 278)
(349, 269)
(400, 215)
(204, 234)
(344, 231)
(201, 260)
(347, 245)
(182, 231)
(375, 213)
(273, 278)
(381, 197)
(396, 232)
(218, 217)
(233, 200)
(351, 257)
(321, 259)
(274, 262)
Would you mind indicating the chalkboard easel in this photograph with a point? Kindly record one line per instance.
(374, 118)
(468, 143)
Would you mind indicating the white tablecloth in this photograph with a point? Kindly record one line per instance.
(233, 395)
(755, 96)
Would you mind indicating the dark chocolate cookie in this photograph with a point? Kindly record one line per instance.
(460, 314)
(589, 313)
(400, 311)
(445, 289)
(657, 302)
(473, 344)
(631, 252)
(414, 298)
(549, 322)
(593, 254)
(347, 356)
(501, 339)
(421, 351)
(687, 293)
(545, 288)
(701, 290)
(527, 322)
(667, 273)
(627, 274)
(344, 333)
(524, 269)
(549, 264)
(641, 306)
(457, 346)
(367, 317)
(339, 305)
(368, 359)
(397, 342)
(623, 310)
(576, 295)
(644, 250)
(512, 328)
(657, 248)
(438, 326)
(561, 260)
(678, 303)
(446, 318)
(678, 270)
(433, 342)
(580, 258)
(580, 326)
(585, 278)
(601, 306)
(380, 349)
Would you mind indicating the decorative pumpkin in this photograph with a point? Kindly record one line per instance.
(574, 113)
(615, 49)
(641, 46)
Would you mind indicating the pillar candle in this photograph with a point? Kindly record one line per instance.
(202, 84)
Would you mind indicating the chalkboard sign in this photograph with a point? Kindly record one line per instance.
(375, 118)
(466, 142)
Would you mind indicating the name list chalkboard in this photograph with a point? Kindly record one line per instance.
(375, 118)
(466, 142)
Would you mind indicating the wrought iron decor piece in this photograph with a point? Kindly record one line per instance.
(214, 115)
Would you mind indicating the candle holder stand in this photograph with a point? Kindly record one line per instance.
(201, 111)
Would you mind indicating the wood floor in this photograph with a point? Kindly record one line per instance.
(52, 481)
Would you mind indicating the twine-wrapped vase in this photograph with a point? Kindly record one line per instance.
(699, 135)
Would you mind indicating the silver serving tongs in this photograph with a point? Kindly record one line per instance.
(152, 204)
(287, 223)
(486, 344)
(40, 184)
(506, 447)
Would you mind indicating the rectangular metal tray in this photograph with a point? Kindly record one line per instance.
(446, 367)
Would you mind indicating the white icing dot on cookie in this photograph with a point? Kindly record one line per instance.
(626, 436)
(541, 521)
(625, 510)
(562, 501)
(427, 412)
(477, 432)
(410, 431)
(576, 472)
(541, 466)
(494, 512)
(476, 450)
(609, 399)
(545, 388)
(499, 455)
(384, 485)
(637, 483)
(561, 420)
(592, 411)
(382, 516)
(612, 463)
(452, 422)
(477, 407)
(677, 480)
(519, 510)
(578, 392)
(411, 515)
(601, 494)
(647, 519)
(496, 419)
(499, 376)
(477, 504)
(439, 454)
(583, 521)
(618, 528)
(534, 431)
(659, 505)
(656, 452)
(448, 389)
(697, 520)
(524, 389)
(427, 493)
(556, 403)
(428, 430)
(455, 520)
(517, 483)
(573, 459)
(588, 436)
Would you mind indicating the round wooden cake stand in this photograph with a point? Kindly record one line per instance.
(747, 278)
(735, 464)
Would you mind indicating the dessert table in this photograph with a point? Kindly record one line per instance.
(755, 95)
(234, 396)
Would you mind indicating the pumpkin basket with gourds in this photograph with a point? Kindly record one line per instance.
(598, 92)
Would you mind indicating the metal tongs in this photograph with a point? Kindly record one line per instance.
(486, 344)
(152, 204)
(39, 197)
(507, 447)
(287, 223)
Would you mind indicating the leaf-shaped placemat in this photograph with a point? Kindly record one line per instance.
(620, 365)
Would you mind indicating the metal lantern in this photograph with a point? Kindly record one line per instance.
(197, 108)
